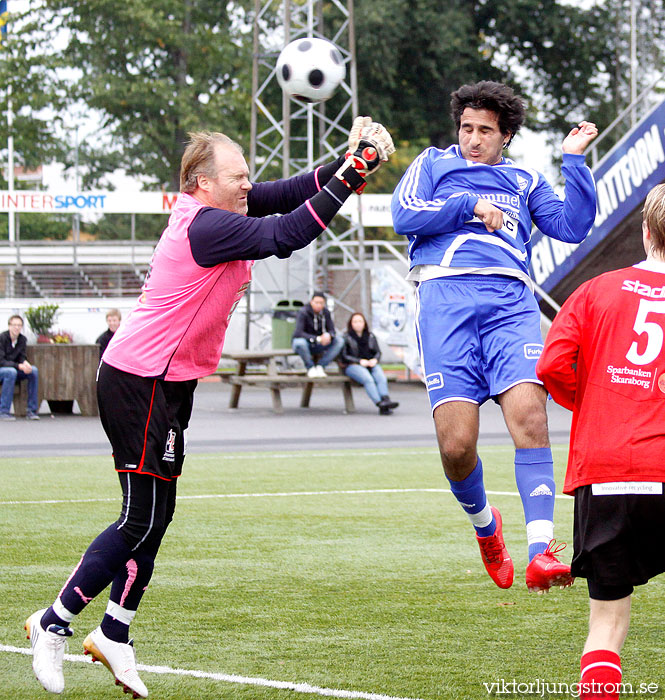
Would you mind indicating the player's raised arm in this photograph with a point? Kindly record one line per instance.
(219, 235)
(572, 219)
(284, 195)
(579, 137)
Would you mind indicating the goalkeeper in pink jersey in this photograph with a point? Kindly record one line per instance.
(200, 270)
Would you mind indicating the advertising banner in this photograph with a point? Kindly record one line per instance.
(623, 179)
(375, 207)
(86, 202)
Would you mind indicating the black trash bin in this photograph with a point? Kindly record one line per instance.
(284, 322)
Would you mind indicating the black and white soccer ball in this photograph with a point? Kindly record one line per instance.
(310, 70)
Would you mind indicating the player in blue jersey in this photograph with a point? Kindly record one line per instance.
(467, 212)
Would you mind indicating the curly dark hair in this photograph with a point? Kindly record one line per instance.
(494, 97)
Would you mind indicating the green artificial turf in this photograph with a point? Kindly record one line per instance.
(339, 582)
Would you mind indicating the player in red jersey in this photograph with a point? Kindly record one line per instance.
(604, 360)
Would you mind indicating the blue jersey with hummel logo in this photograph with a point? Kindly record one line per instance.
(434, 202)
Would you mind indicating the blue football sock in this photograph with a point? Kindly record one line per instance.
(534, 474)
(470, 493)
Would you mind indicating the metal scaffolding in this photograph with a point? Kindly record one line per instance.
(289, 138)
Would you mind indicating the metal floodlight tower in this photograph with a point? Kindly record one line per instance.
(289, 138)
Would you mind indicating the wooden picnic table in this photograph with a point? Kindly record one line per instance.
(275, 381)
(267, 357)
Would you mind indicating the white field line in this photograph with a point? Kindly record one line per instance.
(233, 678)
(277, 494)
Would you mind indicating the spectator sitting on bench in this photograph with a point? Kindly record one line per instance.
(314, 336)
(113, 318)
(15, 367)
(360, 359)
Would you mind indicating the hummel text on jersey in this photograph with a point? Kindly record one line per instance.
(644, 290)
(508, 200)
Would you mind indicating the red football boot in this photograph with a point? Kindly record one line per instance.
(545, 570)
(495, 556)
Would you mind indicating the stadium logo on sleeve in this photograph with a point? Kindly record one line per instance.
(532, 351)
(434, 381)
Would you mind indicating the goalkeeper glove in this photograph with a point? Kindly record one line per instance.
(358, 165)
(375, 133)
(354, 135)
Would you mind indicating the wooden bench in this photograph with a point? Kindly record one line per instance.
(20, 399)
(276, 382)
(67, 372)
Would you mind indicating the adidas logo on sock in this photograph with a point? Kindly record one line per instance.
(542, 490)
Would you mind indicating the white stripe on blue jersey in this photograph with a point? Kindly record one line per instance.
(434, 203)
(408, 197)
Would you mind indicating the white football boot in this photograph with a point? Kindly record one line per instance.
(48, 651)
(119, 658)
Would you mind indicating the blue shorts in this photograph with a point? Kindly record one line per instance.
(478, 335)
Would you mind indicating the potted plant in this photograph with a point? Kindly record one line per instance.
(41, 319)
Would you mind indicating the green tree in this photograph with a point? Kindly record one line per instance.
(650, 46)
(147, 227)
(153, 70)
(31, 85)
(157, 71)
(553, 52)
(53, 227)
(649, 31)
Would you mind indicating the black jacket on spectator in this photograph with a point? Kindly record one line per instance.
(310, 325)
(103, 340)
(355, 349)
(12, 356)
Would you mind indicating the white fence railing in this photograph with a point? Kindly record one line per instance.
(68, 253)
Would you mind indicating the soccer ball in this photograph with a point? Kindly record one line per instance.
(310, 70)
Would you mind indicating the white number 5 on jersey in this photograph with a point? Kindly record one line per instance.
(653, 330)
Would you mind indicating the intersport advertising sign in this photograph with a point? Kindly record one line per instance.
(375, 207)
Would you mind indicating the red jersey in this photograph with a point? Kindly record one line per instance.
(604, 359)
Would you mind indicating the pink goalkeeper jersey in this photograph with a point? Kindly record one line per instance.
(177, 328)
